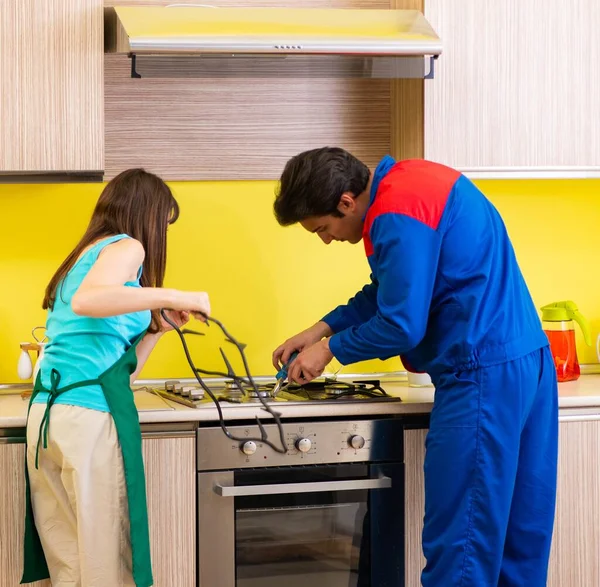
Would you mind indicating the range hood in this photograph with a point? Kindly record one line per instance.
(189, 41)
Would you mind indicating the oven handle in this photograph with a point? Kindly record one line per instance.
(288, 488)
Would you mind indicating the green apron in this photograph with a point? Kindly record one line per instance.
(115, 384)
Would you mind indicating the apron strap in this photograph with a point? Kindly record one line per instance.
(54, 392)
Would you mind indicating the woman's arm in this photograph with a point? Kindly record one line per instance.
(147, 344)
(103, 292)
(143, 350)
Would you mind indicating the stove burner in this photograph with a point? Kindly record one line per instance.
(232, 389)
(336, 388)
(265, 393)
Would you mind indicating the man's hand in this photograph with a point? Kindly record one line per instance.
(310, 363)
(301, 341)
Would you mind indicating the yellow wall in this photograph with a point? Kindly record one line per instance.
(267, 282)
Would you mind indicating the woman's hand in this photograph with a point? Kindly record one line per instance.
(195, 302)
(177, 317)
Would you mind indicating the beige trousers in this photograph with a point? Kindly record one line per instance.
(79, 498)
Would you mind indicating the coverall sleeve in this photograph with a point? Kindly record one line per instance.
(406, 254)
(359, 309)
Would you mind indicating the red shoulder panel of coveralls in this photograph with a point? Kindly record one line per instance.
(415, 188)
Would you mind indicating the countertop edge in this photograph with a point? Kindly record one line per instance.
(586, 408)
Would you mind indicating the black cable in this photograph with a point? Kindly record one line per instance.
(239, 381)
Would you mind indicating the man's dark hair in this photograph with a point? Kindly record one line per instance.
(313, 182)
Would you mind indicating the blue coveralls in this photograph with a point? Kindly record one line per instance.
(447, 295)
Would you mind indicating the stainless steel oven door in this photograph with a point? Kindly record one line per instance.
(317, 526)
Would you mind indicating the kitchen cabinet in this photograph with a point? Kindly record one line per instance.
(171, 492)
(414, 496)
(515, 91)
(51, 97)
(406, 105)
(170, 464)
(574, 560)
(12, 514)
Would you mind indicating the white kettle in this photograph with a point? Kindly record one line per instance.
(25, 366)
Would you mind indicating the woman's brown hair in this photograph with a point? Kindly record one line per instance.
(136, 203)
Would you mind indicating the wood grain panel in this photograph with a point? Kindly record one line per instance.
(517, 84)
(12, 515)
(51, 103)
(414, 459)
(227, 129)
(263, 3)
(407, 106)
(171, 493)
(575, 558)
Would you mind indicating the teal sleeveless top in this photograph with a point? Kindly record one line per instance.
(81, 347)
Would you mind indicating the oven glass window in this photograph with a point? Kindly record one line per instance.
(303, 539)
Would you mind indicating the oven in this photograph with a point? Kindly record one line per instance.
(329, 513)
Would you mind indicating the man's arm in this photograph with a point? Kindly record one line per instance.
(407, 253)
(359, 309)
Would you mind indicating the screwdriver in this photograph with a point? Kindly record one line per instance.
(282, 374)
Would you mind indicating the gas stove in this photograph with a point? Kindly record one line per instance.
(228, 392)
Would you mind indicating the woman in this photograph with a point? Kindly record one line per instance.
(86, 489)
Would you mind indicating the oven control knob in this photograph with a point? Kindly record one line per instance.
(303, 444)
(356, 441)
(249, 447)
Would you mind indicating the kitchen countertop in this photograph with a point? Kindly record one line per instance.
(576, 398)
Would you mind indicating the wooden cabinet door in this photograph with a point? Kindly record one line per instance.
(12, 515)
(170, 465)
(414, 458)
(52, 86)
(575, 555)
(517, 85)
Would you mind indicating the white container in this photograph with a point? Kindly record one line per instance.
(419, 380)
(25, 365)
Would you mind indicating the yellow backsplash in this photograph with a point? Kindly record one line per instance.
(267, 282)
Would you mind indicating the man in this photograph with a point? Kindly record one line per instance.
(447, 295)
